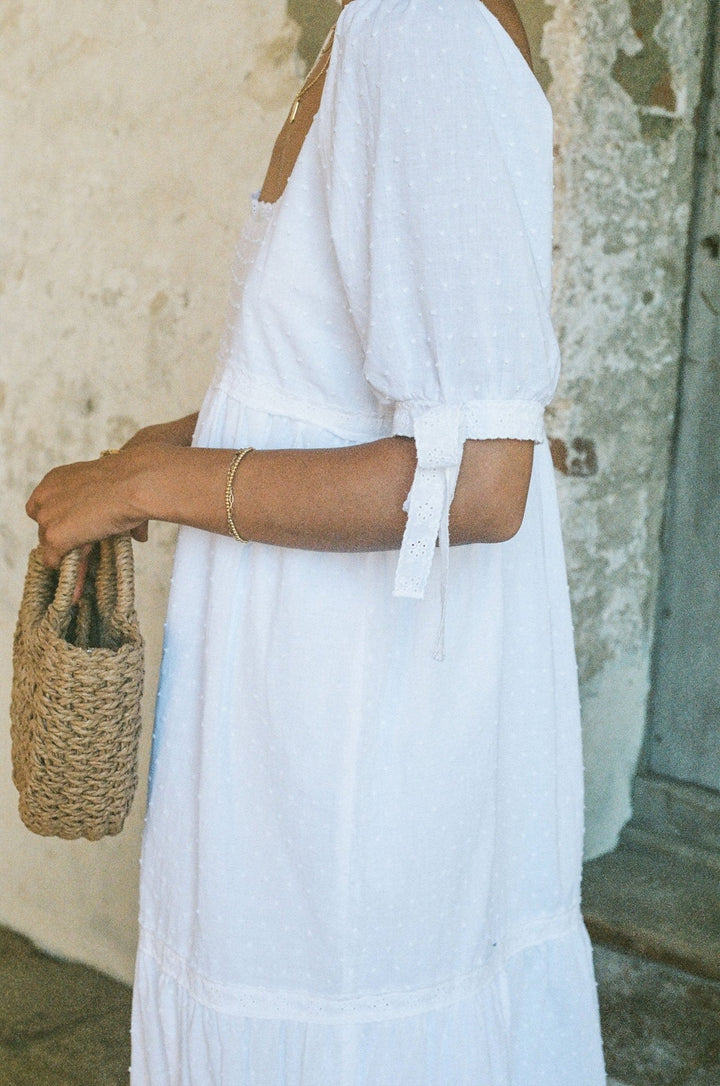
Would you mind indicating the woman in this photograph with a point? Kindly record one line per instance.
(362, 855)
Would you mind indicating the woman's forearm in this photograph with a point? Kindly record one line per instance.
(346, 499)
(343, 499)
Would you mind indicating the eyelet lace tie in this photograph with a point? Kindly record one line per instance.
(439, 440)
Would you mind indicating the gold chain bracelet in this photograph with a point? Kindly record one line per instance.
(229, 493)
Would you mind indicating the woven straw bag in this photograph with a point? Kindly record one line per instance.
(77, 686)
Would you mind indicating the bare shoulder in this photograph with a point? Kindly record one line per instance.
(506, 13)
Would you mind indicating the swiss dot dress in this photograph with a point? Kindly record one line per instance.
(361, 864)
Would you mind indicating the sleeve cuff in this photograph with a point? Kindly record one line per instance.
(520, 420)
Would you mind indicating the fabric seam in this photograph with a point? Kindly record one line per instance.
(262, 1003)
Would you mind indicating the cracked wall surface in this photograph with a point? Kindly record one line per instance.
(643, 70)
(626, 80)
(136, 137)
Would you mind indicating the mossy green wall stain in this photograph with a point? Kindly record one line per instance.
(315, 17)
(646, 75)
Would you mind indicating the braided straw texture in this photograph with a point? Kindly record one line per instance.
(77, 686)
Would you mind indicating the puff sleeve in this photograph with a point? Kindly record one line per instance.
(437, 151)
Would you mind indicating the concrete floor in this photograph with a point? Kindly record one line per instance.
(661, 1026)
(656, 899)
(60, 1024)
(659, 900)
(65, 1025)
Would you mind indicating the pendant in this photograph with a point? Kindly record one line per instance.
(293, 111)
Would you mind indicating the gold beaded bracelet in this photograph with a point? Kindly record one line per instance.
(230, 496)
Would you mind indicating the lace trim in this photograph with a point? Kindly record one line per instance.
(263, 1003)
(521, 420)
(262, 208)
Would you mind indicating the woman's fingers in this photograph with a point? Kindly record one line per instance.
(51, 554)
(78, 503)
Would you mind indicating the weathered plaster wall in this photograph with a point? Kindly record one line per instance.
(626, 80)
(131, 137)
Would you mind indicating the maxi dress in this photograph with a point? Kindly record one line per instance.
(362, 856)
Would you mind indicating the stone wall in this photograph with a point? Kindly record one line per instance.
(131, 136)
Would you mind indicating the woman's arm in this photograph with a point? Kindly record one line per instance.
(345, 499)
(177, 432)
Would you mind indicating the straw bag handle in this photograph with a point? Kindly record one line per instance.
(115, 577)
(67, 580)
(115, 594)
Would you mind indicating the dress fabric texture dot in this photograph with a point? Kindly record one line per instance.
(361, 863)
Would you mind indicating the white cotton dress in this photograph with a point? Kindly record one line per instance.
(361, 864)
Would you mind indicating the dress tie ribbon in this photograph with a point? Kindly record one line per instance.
(439, 441)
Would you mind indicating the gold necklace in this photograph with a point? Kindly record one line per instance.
(324, 52)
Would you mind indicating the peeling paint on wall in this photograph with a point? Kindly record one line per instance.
(580, 459)
(623, 201)
(645, 73)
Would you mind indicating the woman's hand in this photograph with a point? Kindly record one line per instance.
(79, 503)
